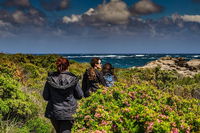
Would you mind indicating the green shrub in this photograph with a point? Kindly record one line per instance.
(139, 108)
(14, 102)
(36, 125)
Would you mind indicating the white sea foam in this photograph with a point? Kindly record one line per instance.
(102, 56)
(196, 56)
(139, 55)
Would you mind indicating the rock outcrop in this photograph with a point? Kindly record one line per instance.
(179, 64)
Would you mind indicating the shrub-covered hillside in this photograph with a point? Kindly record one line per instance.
(136, 109)
(22, 79)
(143, 100)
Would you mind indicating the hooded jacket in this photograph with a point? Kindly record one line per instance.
(61, 91)
(92, 85)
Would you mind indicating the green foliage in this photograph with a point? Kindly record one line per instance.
(22, 79)
(36, 125)
(14, 102)
(144, 100)
(78, 69)
(168, 81)
(139, 108)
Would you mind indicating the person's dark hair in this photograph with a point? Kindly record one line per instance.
(94, 61)
(107, 68)
(91, 70)
(62, 64)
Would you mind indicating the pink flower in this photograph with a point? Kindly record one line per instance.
(173, 124)
(149, 127)
(87, 117)
(159, 121)
(83, 128)
(126, 110)
(137, 117)
(132, 95)
(98, 131)
(121, 119)
(114, 126)
(174, 130)
(182, 126)
(97, 115)
(104, 123)
(127, 104)
(188, 130)
(104, 91)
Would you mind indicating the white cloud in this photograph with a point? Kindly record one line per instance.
(191, 18)
(72, 19)
(115, 12)
(145, 7)
(32, 17)
(19, 17)
(4, 24)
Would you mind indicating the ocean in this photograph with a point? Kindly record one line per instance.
(126, 60)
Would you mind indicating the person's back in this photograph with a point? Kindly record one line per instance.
(61, 91)
(108, 74)
(109, 78)
(92, 77)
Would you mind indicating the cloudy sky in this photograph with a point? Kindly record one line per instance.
(99, 26)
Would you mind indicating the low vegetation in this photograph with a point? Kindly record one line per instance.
(143, 100)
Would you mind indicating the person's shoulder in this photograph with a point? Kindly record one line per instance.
(107, 74)
(52, 74)
(71, 74)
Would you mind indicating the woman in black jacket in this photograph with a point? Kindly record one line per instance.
(92, 77)
(61, 91)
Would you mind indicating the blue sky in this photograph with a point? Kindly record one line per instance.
(44, 30)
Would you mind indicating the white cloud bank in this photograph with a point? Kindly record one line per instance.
(191, 18)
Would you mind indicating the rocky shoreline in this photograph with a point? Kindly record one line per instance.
(178, 64)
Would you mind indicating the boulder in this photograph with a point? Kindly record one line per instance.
(195, 63)
(179, 64)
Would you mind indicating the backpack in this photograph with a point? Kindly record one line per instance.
(110, 79)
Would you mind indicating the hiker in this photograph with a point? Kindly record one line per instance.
(61, 91)
(92, 77)
(108, 74)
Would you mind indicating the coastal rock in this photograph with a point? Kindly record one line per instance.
(196, 93)
(194, 63)
(179, 64)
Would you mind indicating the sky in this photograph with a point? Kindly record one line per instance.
(99, 26)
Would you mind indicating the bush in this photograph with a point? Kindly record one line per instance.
(139, 108)
(14, 102)
(36, 125)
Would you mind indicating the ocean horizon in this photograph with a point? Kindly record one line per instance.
(122, 60)
(126, 60)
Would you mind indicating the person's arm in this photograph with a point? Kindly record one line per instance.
(85, 85)
(101, 79)
(46, 94)
(78, 93)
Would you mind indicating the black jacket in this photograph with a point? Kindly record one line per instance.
(92, 85)
(61, 91)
